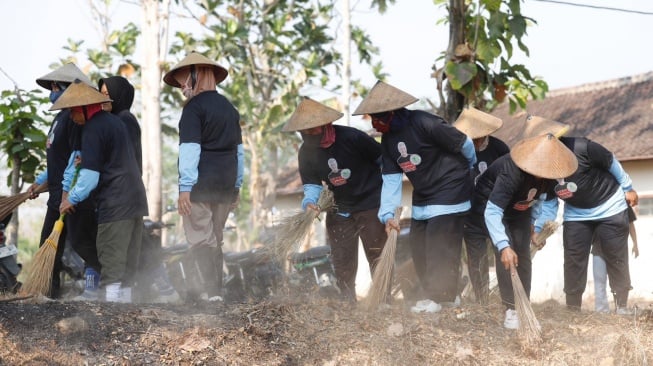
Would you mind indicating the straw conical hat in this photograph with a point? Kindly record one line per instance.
(66, 73)
(310, 113)
(544, 156)
(476, 124)
(79, 94)
(383, 98)
(536, 126)
(195, 58)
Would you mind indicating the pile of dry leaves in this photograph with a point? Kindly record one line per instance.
(307, 330)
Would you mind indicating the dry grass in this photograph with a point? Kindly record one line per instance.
(39, 279)
(293, 230)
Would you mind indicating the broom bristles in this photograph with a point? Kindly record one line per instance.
(529, 327)
(10, 203)
(548, 229)
(39, 279)
(293, 230)
(383, 270)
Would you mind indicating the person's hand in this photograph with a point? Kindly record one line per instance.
(66, 207)
(508, 257)
(183, 203)
(32, 191)
(314, 207)
(632, 198)
(77, 161)
(391, 224)
(534, 242)
(635, 251)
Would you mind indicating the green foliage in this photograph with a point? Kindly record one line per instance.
(480, 69)
(21, 132)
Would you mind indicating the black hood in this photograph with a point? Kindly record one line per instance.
(120, 91)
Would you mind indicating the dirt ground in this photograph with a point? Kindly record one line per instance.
(307, 330)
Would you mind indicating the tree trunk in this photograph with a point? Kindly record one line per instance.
(11, 231)
(455, 100)
(346, 60)
(151, 118)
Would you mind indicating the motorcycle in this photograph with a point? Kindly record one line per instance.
(252, 274)
(313, 270)
(9, 268)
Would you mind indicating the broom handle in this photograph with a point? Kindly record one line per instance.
(72, 184)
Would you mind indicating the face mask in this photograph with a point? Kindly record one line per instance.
(54, 95)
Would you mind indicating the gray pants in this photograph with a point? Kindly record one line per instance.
(203, 228)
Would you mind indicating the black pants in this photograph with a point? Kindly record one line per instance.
(436, 246)
(51, 216)
(343, 234)
(612, 234)
(476, 242)
(519, 234)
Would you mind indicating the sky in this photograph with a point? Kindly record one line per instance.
(569, 45)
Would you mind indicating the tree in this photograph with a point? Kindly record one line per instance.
(272, 49)
(22, 139)
(476, 67)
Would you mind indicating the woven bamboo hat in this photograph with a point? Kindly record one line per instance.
(536, 126)
(66, 73)
(476, 124)
(544, 156)
(195, 58)
(383, 98)
(310, 113)
(79, 94)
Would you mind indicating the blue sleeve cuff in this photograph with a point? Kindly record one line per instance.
(502, 244)
(41, 178)
(185, 188)
(311, 194)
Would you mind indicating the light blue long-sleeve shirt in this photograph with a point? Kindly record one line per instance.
(41, 178)
(87, 180)
(391, 199)
(189, 159)
(469, 152)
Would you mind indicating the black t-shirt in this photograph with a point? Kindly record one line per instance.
(510, 188)
(59, 145)
(210, 120)
(106, 149)
(429, 151)
(494, 149)
(592, 184)
(350, 166)
(134, 133)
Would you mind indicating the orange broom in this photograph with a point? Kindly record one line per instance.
(10, 203)
(39, 278)
(382, 276)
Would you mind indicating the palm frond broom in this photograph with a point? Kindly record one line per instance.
(530, 331)
(383, 271)
(39, 278)
(548, 229)
(9, 203)
(291, 232)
